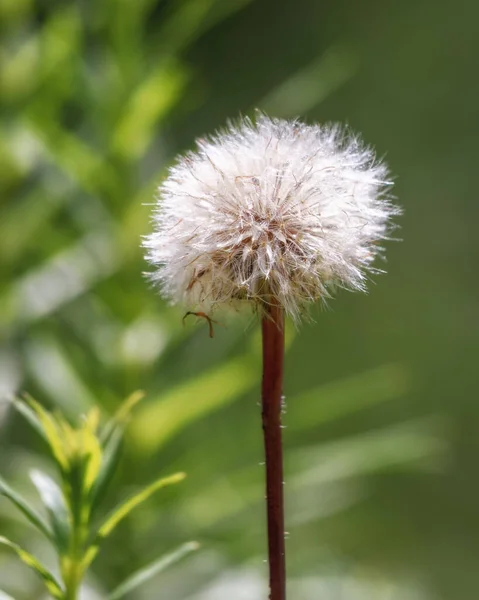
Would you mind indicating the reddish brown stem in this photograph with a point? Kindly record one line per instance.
(271, 395)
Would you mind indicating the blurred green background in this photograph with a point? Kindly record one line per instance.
(382, 436)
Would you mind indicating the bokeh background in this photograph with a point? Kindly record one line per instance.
(382, 436)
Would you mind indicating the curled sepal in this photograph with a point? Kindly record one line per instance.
(23, 506)
(146, 573)
(51, 583)
(54, 503)
(121, 511)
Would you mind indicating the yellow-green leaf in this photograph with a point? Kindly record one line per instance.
(192, 399)
(52, 434)
(122, 415)
(149, 103)
(92, 419)
(92, 453)
(124, 509)
(163, 417)
(51, 583)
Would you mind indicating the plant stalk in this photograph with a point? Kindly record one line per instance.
(271, 396)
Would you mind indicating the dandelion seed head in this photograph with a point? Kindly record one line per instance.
(271, 210)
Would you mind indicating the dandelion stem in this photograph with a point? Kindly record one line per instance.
(271, 394)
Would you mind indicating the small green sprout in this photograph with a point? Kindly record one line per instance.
(86, 458)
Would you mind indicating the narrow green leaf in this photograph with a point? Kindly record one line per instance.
(126, 507)
(75, 490)
(29, 415)
(51, 583)
(148, 572)
(311, 85)
(111, 455)
(54, 502)
(350, 395)
(51, 431)
(160, 419)
(91, 450)
(22, 505)
(121, 416)
(123, 510)
(152, 99)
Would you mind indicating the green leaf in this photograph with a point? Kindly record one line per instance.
(111, 455)
(76, 493)
(160, 419)
(22, 505)
(119, 513)
(126, 507)
(349, 395)
(29, 415)
(91, 449)
(51, 583)
(311, 85)
(121, 416)
(51, 431)
(54, 502)
(146, 573)
(149, 102)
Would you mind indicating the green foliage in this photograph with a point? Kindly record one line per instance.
(26, 509)
(96, 99)
(53, 586)
(85, 457)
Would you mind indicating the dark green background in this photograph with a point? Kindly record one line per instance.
(382, 437)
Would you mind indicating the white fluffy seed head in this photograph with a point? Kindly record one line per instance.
(269, 211)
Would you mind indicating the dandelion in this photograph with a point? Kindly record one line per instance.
(274, 214)
(273, 211)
